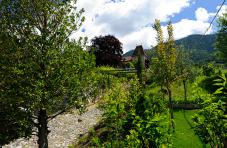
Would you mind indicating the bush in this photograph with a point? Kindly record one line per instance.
(210, 123)
(133, 118)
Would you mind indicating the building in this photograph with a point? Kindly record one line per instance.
(139, 51)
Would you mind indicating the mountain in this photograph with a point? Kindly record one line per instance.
(200, 46)
(198, 42)
(129, 53)
(192, 42)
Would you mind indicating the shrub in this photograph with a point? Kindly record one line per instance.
(133, 118)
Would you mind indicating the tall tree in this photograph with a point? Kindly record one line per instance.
(166, 62)
(221, 41)
(184, 68)
(107, 50)
(42, 73)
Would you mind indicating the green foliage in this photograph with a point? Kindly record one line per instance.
(211, 120)
(201, 57)
(184, 65)
(107, 50)
(184, 69)
(208, 70)
(221, 83)
(210, 124)
(131, 118)
(130, 122)
(129, 65)
(221, 42)
(195, 94)
(95, 141)
(15, 122)
(105, 68)
(215, 84)
(208, 84)
(165, 65)
(41, 70)
(149, 122)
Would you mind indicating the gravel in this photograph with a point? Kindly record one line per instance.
(65, 129)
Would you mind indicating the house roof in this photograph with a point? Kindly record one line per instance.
(127, 59)
(138, 51)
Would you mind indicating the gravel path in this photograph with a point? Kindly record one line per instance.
(65, 129)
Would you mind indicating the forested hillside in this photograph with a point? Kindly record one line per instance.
(201, 47)
(198, 42)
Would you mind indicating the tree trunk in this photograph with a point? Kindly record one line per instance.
(225, 143)
(171, 108)
(185, 93)
(163, 93)
(42, 129)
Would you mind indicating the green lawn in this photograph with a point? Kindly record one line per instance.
(184, 136)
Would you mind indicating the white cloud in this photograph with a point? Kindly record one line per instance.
(201, 14)
(223, 9)
(144, 36)
(126, 19)
(187, 27)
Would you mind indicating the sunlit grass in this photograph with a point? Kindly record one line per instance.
(184, 136)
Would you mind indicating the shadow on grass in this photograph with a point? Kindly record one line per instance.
(185, 117)
(191, 126)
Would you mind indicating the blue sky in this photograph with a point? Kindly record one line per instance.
(209, 5)
(131, 20)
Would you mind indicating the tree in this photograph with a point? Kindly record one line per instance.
(184, 68)
(165, 66)
(42, 72)
(14, 122)
(221, 41)
(107, 50)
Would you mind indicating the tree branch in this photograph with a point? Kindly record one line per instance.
(34, 132)
(34, 117)
(56, 114)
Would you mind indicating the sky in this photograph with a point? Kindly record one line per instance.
(131, 20)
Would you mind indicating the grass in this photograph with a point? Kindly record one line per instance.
(184, 136)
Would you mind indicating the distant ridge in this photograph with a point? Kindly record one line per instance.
(192, 42)
(198, 42)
